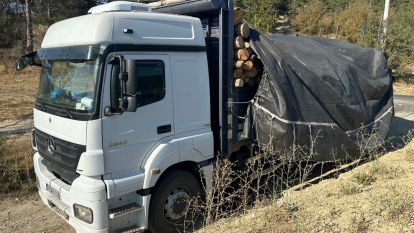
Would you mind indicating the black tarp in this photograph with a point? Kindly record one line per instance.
(327, 96)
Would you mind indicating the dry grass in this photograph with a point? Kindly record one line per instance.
(17, 92)
(375, 197)
(16, 164)
(404, 88)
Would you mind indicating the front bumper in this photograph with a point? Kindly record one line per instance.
(60, 197)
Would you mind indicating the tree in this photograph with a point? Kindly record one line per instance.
(29, 27)
(263, 13)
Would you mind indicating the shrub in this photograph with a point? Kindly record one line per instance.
(313, 19)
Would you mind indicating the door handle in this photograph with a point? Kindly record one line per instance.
(163, 129)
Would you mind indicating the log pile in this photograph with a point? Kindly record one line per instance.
(247, 68)
(165, 3)
(246, 64)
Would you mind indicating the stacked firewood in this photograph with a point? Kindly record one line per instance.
(247, 68)
(246, 64)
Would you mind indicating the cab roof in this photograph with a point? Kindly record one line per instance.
(138, 28)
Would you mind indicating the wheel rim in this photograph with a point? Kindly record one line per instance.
(176, 204)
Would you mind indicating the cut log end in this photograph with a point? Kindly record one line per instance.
(239, 42)
(248, 65)
(239, 82)
(242, 55)
(239, 64)
(242, 30)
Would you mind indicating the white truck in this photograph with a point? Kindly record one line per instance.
(132, 109)
(135, 105)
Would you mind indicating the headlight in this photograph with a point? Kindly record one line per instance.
(83, 213)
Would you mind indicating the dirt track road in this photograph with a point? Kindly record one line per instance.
(28, 214)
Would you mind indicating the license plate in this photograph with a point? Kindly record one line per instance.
(52, 191)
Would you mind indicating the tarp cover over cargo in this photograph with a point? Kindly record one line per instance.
(324, 96)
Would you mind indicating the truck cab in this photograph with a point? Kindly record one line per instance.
(122, 120)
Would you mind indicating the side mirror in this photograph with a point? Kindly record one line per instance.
(115, 89)
(22, 63)
(131, 86)
(123, 87)
(26, 60)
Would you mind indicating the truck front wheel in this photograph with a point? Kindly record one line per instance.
(170, 202)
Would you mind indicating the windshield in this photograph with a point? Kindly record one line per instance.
(69, 84)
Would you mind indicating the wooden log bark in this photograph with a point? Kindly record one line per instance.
(248, 65)
(243, 30)
(238, 42)
(250, 50)
(250, 81)
(252, 73)
(238, 15)
(165, 3)
(253, 57)
(239, 64)
(238, 73)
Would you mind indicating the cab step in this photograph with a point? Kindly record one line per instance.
(131, 229)
(123, 210)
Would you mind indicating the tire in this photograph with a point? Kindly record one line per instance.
(167, 201)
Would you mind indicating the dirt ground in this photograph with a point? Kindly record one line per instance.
(29, 215)
(404, 88)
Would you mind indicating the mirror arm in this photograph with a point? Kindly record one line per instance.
(123, 78)
(108, 112)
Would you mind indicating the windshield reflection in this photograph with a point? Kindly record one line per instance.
(69, 84)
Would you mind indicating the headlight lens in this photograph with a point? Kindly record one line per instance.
(83, 213)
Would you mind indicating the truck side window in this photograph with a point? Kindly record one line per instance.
(150, 79)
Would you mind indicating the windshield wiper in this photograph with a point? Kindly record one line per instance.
(68, 113)
(41, 106)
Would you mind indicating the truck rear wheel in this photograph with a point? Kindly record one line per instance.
(170, 202)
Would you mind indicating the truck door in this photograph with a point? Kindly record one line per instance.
(129, 136)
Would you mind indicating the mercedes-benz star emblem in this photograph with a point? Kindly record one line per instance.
(51, 146)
